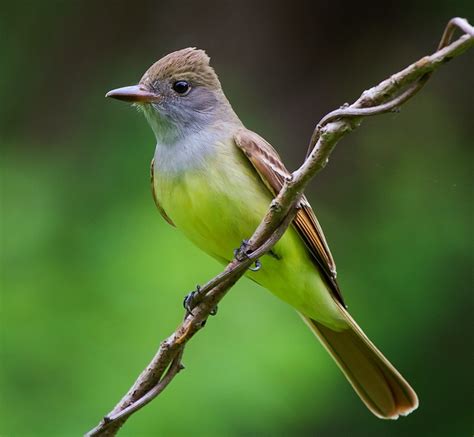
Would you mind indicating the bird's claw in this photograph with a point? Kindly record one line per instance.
(190, 301)
(258, 266)
(213, 311)
(242, 253)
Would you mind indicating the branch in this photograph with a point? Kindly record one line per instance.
(385, 97)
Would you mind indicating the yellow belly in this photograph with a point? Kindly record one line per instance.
(221, 206)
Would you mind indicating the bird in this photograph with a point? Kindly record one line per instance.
(214, 179)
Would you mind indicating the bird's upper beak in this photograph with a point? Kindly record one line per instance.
(135, 94)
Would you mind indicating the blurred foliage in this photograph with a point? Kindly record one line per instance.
(92, 278)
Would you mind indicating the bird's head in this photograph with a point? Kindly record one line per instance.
(179, 94)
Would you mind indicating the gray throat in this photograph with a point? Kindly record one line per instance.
(189, 147)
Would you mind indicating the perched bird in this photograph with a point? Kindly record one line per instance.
(214, 179)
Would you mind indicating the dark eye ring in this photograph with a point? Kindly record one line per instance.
(181, 87)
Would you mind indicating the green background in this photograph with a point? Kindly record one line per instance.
(92, 278)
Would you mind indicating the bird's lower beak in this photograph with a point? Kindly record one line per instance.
(135, 94)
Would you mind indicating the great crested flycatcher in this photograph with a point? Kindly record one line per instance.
(214, 179)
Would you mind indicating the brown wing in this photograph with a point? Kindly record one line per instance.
(273, 173)
(155, 198)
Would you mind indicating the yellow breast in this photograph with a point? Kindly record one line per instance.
(216, 207)
(221, 204)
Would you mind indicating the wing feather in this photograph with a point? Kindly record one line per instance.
(155, 197)
(273, 173)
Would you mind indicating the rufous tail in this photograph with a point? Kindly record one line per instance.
(382, 389)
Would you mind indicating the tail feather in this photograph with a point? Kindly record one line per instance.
(383, 390)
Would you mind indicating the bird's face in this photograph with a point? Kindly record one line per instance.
(178, 94)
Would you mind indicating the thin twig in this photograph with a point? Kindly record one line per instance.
(212, 292)
(385, 97)
(398, 81)
(175, 367)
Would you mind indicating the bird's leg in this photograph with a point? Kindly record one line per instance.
(192, 299)
(242, 253)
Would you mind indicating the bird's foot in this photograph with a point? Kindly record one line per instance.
(192, 299)
(242, 253)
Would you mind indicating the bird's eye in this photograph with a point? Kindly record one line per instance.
(181, 87)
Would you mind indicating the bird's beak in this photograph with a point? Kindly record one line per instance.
(135, 94)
